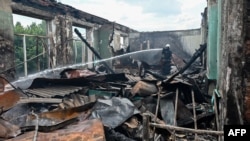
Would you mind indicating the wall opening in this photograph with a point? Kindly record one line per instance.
(122, 42)
(80, 49)
(30, 45)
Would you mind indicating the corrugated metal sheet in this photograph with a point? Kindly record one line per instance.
(49, 92)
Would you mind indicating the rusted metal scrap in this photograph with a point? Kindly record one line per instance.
(119, 101)
(51, 118)
(8, 130)
(9, 96)
(8, 100)
(22, 116)
(88, 130)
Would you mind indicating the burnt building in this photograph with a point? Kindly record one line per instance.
(103, 35)
(226, 31)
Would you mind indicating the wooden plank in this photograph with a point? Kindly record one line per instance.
(39, 100)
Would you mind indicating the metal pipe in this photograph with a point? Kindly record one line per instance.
(25, 56)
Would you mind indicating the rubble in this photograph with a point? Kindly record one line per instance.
(93, 106)
(88, 130)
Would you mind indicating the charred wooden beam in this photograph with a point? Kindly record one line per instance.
(48, 9)
(25, 10)
(82, 23)
(39, 8)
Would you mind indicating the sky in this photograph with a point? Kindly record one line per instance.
(144, 15)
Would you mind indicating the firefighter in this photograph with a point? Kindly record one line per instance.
(166, 60)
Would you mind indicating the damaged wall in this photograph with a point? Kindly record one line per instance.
(212, 39)
(228, 56)
(108, 40)
(6, 40)
(103, 35)
(182, 42)
(60, 18)
(247, 61)
(231, 78)
(61, 41)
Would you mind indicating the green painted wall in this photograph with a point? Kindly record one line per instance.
(101, 43)
(104, 42)
(212, 39)
(219, 37)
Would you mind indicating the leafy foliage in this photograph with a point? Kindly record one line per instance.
(35, 45)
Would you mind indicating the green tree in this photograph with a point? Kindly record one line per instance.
(34, 46)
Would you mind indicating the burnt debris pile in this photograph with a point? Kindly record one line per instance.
(84, 104)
